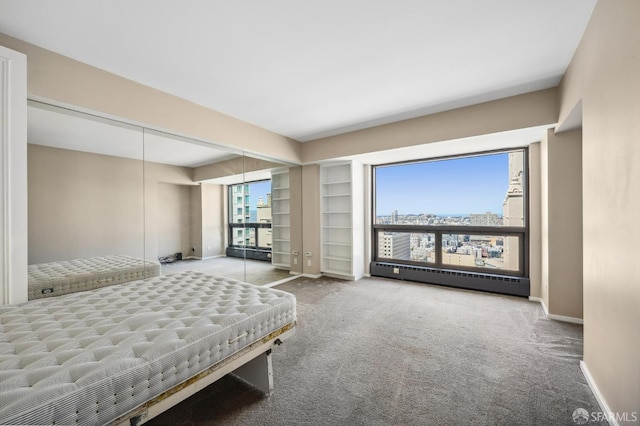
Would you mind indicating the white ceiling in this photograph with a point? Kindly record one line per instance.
(58, 127)
(307, 69)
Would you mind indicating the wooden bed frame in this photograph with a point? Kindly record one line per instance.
(252, 364)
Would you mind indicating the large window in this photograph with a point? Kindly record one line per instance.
(250, 217)
(462, 213)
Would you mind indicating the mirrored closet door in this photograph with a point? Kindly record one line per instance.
(104, 190)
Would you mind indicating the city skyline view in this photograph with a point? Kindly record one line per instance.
(481, 191)
(449, 187)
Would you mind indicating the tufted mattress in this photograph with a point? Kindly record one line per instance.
(56, 278)
(92, 356)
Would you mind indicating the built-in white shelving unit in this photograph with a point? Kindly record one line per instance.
(281, 220)
(342, 220)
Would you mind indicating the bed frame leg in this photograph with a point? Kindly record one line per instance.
(258, 373)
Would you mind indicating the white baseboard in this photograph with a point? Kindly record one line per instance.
(312, 276)
(541, 301)
(566, 319)
(282, 281)
(215, 256)
(554, 316)
(604, 407)
(206, 257)
(536, 299)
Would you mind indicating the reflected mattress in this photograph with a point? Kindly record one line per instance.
(93, 356)
(57, 278)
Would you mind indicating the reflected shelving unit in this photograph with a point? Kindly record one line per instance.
(281, 222)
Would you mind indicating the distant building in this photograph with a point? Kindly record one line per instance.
(513, 209)
(394, 217)
(494, 253)
(457, 259)
(240, 213)
(395, 246)
(485, 219)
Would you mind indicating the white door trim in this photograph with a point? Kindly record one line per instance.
(13, 176)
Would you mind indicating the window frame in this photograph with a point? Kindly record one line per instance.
(245, 226)
(522, 233)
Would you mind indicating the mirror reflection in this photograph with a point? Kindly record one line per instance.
(111, 202)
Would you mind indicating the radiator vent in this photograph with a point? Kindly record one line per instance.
(516, 286)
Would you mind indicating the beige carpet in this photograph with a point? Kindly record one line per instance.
(251, 271)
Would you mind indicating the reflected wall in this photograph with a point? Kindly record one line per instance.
(100, 187)
(85, 184)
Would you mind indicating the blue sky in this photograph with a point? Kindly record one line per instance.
(257, 190)
(453, 186)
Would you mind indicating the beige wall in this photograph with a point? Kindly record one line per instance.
(174, 220)
(535, 225)
(311, 219)
(83, 205)
(604, 75)
(208, 226)
(544, 221)
(234, 166)
(517, 112)
(154, 174)
(196, 231)
(562, 215)
(190, 220)
(295, 217)
(57, 78)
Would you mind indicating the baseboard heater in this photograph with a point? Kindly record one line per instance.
(514, 286)
(249, 253)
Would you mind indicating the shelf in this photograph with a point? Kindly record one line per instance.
(280, 211)
(337, 271)
(335, 195)
(338, 182)
(339, 274)
(338, 259)
(331, 243)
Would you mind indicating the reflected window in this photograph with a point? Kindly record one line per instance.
(251, 206)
